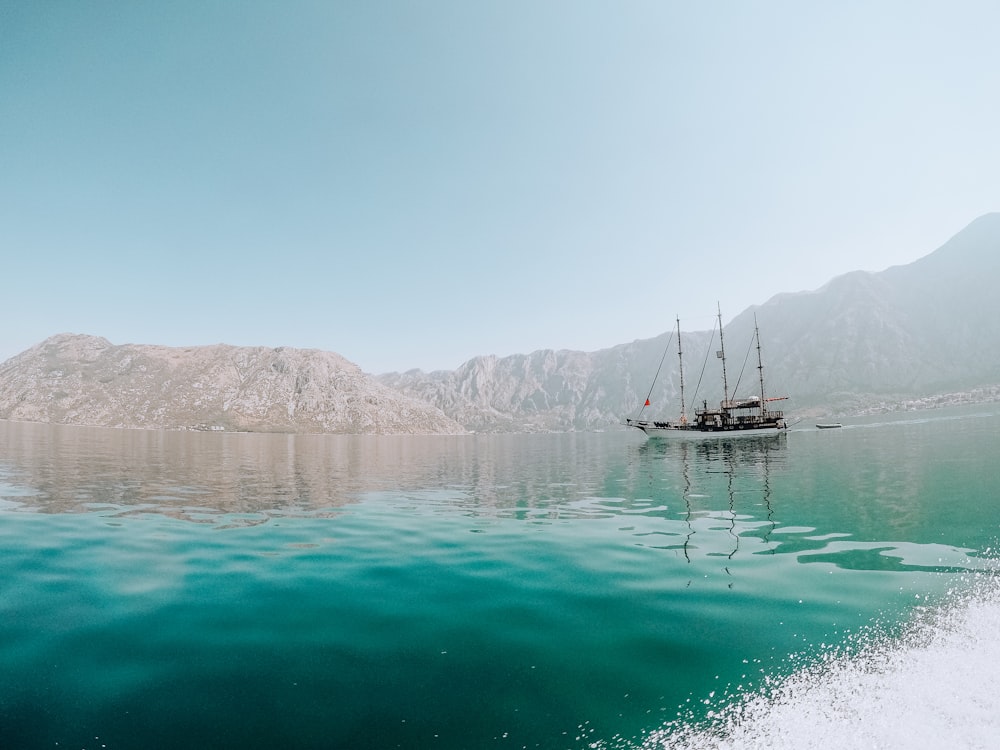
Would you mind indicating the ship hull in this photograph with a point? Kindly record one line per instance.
(669, 431)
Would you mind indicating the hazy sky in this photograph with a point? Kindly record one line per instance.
(411, 184)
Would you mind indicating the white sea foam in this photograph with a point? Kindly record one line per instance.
(936, 685)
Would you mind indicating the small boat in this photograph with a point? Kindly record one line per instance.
(828, 425)
(734, 417)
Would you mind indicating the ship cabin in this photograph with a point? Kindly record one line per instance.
(739, 414)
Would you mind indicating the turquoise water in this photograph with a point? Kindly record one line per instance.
(555, 591)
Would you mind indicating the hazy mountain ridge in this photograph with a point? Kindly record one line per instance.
(551, 390)
(77, 379)
(863, 339)
(927, 327)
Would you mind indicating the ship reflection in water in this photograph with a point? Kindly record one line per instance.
(719, 494)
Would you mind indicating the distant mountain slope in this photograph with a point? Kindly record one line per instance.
(924, 328)
(73, 379)
(930, 326)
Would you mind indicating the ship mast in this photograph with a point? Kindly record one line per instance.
(722, 355)
(680, 364)
(760, 364)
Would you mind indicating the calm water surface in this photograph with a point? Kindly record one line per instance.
(557, 591)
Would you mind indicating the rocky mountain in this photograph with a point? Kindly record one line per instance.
(74, 379)
(552, 390)
(543, 391)
(910, 331)
(863, 339)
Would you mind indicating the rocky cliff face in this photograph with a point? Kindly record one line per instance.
(539, 391)
(73, 379)
(543, 391)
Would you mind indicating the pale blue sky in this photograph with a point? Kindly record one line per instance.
(411, 184)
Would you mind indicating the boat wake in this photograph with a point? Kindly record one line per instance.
(935, 685)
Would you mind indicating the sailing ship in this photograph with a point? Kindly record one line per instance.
(734, 417)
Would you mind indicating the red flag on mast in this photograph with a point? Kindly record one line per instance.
(647, 402)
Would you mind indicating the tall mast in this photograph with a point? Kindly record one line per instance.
(680, 364)
(760, 364)
(722, 354)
